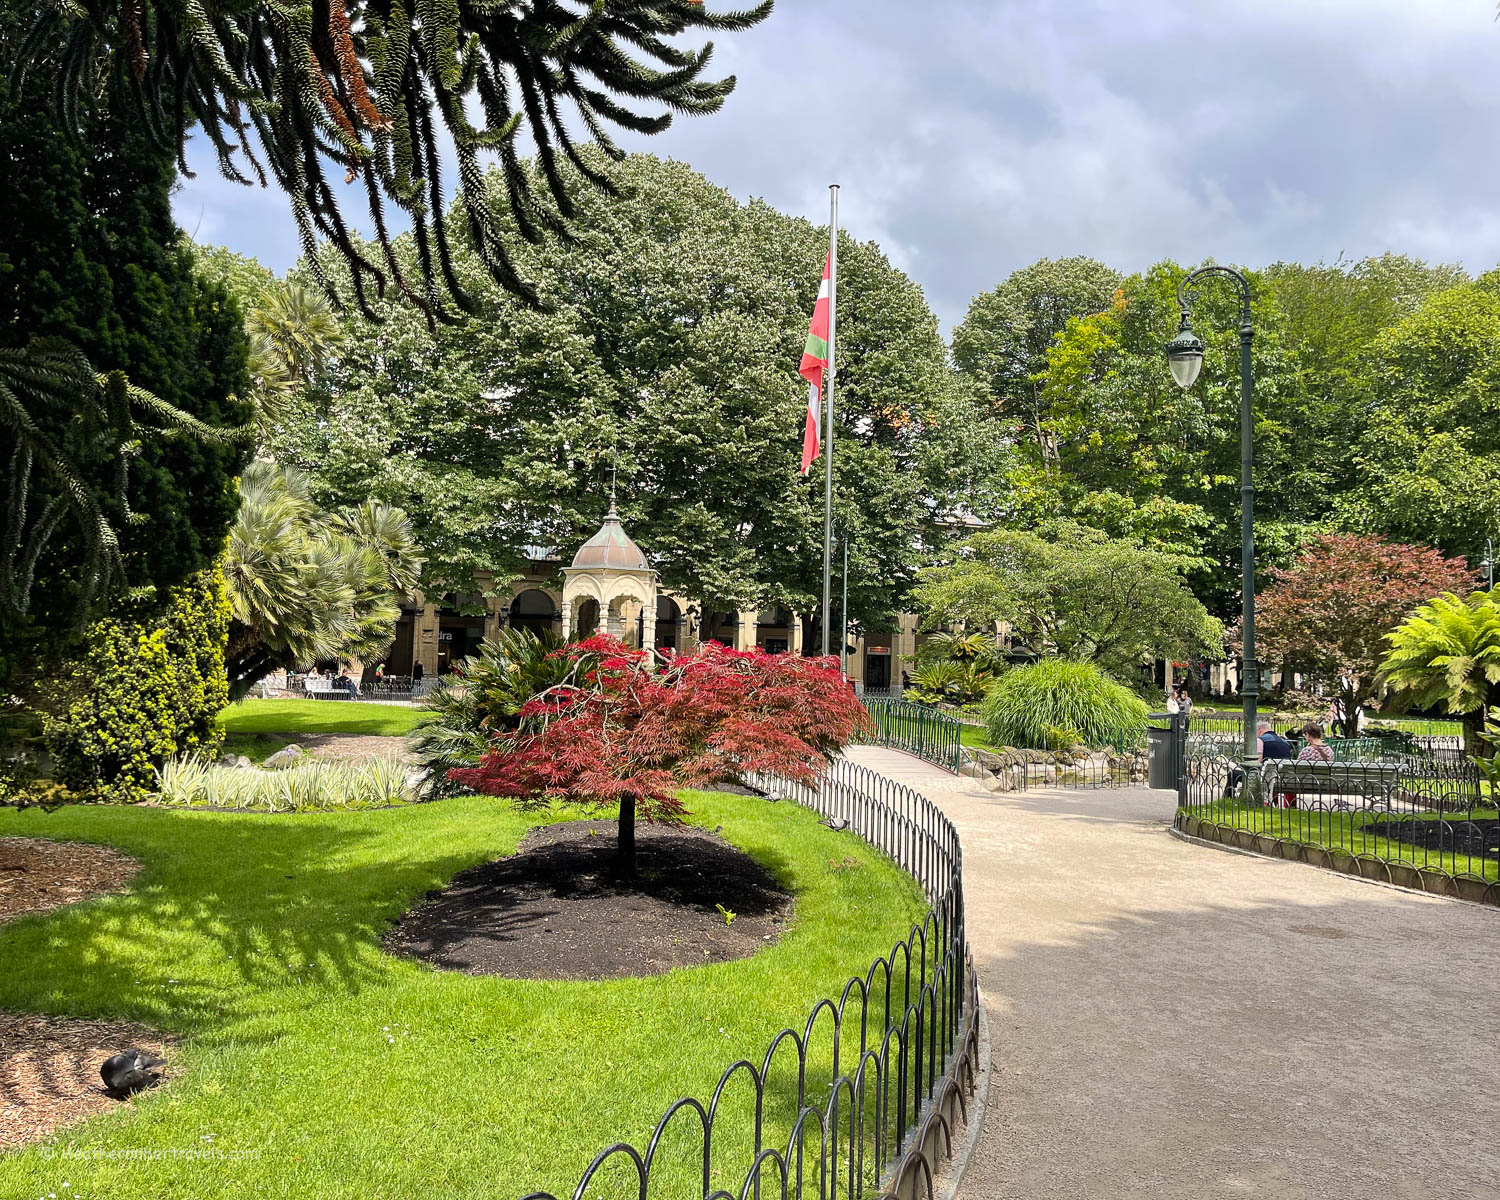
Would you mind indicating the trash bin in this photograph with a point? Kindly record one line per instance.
(1161, 760)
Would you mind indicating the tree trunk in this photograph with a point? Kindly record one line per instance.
(625, 847)
(1348, 724)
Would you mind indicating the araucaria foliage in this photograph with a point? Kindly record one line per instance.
(628, 731)
(144, 691)
(374, 89)
(1327, 616)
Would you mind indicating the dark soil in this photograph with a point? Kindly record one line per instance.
(38, 874)
(1480, 838)
(557, 909)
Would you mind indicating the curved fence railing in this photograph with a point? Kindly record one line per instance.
(881, 1072)
(918, 729)
(1382, 808)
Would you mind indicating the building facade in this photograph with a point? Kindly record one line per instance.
(609, 586)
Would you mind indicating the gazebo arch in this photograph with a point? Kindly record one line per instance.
(610, 571)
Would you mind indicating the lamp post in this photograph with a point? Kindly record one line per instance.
(1185, 358)
(1488, 565)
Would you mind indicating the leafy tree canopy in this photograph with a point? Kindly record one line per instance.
(1073, 591)
(1328, 614)
(1448, 653)
(1428, 461)
(307, 586)
(670, 344)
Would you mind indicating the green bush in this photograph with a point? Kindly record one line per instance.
(306, 787)
(144, 691)
(1056, 737)
(1060, 695)
(481, 698)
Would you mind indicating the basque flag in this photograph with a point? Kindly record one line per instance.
(814, 363)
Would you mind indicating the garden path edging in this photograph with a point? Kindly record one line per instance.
(959, 1163)
(1215, 844)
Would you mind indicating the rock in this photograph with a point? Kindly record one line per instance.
(988, 759)
(287, 756)
(242, 763)
(228, 759)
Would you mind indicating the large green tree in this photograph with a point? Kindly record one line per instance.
(122, 376)
(1003, 340)
(307, 586)
(1426, 438)
(668, 347)
(1073, 591)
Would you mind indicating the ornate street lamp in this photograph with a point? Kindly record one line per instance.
(1185, 358)
(1488, 565)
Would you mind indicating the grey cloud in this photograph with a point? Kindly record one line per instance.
(972, 138)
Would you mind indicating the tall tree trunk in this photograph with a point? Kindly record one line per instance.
(625, 847)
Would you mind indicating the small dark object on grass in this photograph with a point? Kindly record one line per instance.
(127, 1073)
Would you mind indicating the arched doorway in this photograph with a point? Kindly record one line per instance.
(533, 609)
(588, 619)
(668, 623)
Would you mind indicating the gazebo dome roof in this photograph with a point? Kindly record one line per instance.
(611, 548)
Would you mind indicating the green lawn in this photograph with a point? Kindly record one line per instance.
(974, 735)
(318, 716)
(1346, 831)
(317, 1065)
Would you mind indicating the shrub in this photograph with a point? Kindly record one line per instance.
(481, 699)
(311, 786)
(1059, 694)
(145, 690)
(1056, 737)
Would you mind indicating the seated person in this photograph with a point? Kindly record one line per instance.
(1272, 746)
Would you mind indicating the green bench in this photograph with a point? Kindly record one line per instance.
(1368, 781)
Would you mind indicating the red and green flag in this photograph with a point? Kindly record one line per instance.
(814, 363)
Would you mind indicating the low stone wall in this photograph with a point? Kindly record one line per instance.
(1011, 769)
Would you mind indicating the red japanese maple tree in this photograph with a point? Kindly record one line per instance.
(628, 729)
(1327, 615)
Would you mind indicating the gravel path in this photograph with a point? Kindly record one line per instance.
(1172, 1020)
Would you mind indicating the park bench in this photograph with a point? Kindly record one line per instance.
(1368, 781)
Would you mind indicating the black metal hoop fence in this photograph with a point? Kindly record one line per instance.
(918, 729)
(1399, 810)
(873, 1118)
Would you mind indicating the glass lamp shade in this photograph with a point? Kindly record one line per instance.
(1185, 356)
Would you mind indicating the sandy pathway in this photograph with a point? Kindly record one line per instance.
(1170, 1020)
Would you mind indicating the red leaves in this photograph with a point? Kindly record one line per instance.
(635, 726)
(1330, 611)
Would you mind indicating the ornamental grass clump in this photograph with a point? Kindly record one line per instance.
(1029, 705)
(309, 787)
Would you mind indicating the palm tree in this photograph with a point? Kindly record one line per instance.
(294, 333)
(306, 586)
(1448, 653)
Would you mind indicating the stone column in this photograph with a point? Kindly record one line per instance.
(648, 624)
(427, 643)
(745, 638)
(567, 619)
(795, 635)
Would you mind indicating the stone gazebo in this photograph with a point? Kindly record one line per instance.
(609, 587)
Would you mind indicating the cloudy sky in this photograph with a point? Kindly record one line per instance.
(972, 137)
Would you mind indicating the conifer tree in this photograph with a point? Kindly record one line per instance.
(301, 94)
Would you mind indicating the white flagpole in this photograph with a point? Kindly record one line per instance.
(833, 310)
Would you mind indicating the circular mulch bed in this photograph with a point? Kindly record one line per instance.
(49, 1071)
(556, 910)
(37, 874)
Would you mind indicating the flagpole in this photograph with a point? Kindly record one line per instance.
(833, 311)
